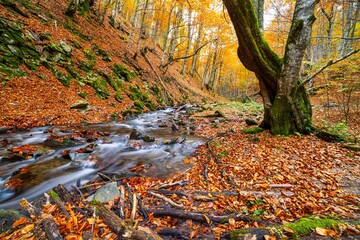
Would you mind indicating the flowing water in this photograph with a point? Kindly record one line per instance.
(111, 151)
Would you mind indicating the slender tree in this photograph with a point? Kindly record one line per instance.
(286, 101)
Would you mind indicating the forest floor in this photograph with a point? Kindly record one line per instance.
(234, 181)
(296, 186)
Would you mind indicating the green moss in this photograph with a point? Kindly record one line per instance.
(45, 36)
(83, 94)
(87, 66)
(53, 195)
(123, 73)
(306, 226)
(90, 55)
(280, 117)
(150, 105)
(99, 84)
(72, 71)
(252, 130)
(12, 72)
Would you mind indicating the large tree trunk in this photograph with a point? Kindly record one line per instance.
(287, 106)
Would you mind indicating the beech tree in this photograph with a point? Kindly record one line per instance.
(286, 101)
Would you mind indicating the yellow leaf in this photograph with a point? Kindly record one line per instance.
(156, 221)
(27, 229)
(289, 230)
(207, 219)
(321, 231)
(267, 237)
(231, 221)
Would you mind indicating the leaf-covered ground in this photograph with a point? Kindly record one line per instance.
(235, 181)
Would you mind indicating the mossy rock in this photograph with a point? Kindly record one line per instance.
(87, 66)
(14, 49)
(329, 137)
(99, 84)
(246, 233)
(139, 106)
(150, 105)
(123, 73)
(305, 226)
(252, 130)
(45, 36)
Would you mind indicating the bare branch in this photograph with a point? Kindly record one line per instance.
(185, 57)
(331, 62)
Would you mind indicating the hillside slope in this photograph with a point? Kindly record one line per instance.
(49, 61)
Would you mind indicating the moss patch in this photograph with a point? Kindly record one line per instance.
(305, 226)
(252, 130)
(123, 73)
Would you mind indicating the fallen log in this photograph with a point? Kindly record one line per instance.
(124, 228)
(50, 228)
(201, 217)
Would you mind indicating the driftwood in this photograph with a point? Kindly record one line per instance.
(198, 195)
(50, 228)
(201, 217)
(168, 200)
(47, 224)
(30, 209)
(122, 201)
(123, 228)
(59, 203)
(179, 183)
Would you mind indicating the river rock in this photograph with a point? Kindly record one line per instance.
(107, 193)
(250, 122)
(136, 134)
(147, 138)
(81, 106)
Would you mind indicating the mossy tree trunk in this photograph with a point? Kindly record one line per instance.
(286, 102)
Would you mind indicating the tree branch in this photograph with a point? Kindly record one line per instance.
(331, 62)
(185, 57)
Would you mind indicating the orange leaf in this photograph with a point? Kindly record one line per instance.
(193, 234)
(289, 230)
(19, 222)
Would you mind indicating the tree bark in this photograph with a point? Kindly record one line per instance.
(286, 104)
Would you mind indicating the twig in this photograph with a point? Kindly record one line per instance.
(276, 185)
(179, 183)
(104, 177)
(331, 62)
(78, 191)
(134, 206)
(158, 76)
(122, 201)
(168, 200)
(93, 224)
(142, 210)
(201, 217)
(130, 194)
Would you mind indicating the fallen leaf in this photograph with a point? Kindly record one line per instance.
(231, 221)
(19, 222)
(289, 230)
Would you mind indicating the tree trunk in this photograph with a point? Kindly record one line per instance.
(287, 106)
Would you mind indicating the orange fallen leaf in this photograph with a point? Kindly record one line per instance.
(289, 230)
(193, 233)
(19, 222)
(231, 221)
